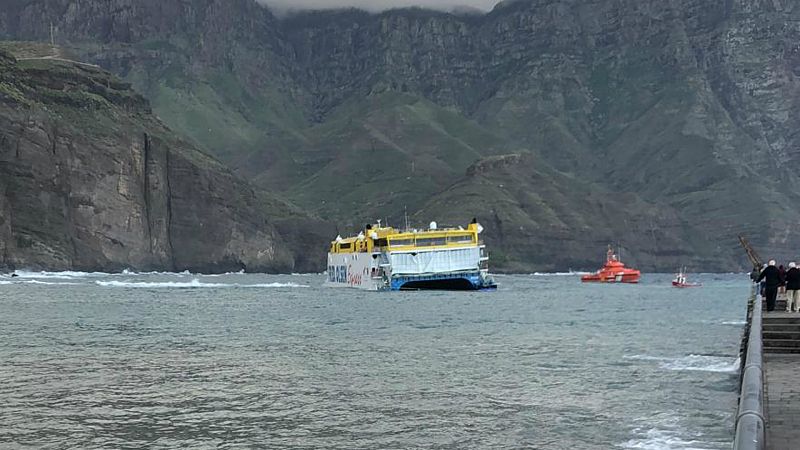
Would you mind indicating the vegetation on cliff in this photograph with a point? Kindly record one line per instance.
(678, 117)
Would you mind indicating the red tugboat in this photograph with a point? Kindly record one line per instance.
(613, 272)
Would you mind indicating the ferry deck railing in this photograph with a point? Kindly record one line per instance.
(750, 422)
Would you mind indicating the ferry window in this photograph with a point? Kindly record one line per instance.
(380, 243)
(400, 242)
(461, 239)
(344, 245)
(427, 242)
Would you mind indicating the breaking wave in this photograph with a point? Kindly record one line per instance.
(693, 363)
(65, 275)
(50, 283)
(68, 274)
(667, 431)
(193, 284)
(658, 439)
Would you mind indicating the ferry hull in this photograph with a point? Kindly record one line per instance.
(355, 270)
(367, 272)
(469, 281)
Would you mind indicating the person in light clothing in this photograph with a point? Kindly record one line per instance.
(793, 288)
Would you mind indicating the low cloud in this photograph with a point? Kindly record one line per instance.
(377, 5)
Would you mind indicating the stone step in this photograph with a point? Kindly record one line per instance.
(779, 335)
(781, 350)
(781, 343)
(781, 318)
(780, 328)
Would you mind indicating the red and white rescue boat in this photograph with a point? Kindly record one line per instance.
(613, 272)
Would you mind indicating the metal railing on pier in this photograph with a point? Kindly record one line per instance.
(749, 434)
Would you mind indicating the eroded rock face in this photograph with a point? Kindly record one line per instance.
(89, 180)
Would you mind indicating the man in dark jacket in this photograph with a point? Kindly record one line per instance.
(772, 277)
(792, 288)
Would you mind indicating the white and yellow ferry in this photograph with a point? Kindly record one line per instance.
(383, 258)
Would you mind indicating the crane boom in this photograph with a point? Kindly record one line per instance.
(752, 255)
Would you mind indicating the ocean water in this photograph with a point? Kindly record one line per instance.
(242, 361)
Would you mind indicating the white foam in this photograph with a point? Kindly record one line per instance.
(50, 283)
(65, 275)
(152, 272)
(658, 439)
(693, 363)
(703, 363)
(5, 282)
(195, 283)
(734, 322)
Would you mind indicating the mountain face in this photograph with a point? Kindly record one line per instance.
(90, 180)
(562, 124)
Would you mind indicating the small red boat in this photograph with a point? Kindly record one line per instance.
(613, 271)
(680, 280)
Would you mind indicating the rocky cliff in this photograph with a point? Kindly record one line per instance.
(90, 180)
(679, 114)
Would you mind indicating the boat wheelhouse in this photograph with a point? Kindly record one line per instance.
(383, 258)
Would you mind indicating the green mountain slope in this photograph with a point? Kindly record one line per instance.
(532, 212)
(356, 116)
(377, 156)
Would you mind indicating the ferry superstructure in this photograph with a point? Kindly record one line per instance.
(382, 258)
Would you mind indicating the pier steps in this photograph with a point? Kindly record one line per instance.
(781, 332)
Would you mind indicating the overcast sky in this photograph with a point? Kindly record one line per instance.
(378, 5)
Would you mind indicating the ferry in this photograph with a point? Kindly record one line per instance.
(382, 258)
(613, 271)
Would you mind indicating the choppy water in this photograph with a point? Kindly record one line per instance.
(181, 360)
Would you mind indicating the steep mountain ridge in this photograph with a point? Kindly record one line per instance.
(688, 106)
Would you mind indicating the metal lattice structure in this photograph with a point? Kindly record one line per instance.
(752, 255)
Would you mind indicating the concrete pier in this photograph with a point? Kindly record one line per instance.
(778, 337)
(781, 338)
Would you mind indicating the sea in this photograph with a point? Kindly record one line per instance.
(182, 360)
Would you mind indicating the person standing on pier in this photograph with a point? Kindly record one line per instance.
(793, 288)
(754, 274)
(772, 279)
